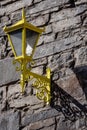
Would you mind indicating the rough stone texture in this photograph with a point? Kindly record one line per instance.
(41, 124)
(81, 56)
(75, 90)
(21, 102)
(62, 47)
(39, 116)
(56, 47)
(7, 72)
(44, 5)
(66, 24)
(10, 121)
(40, 20)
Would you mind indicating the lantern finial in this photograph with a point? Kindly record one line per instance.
(23, 13)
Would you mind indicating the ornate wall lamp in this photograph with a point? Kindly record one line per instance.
(23, 38)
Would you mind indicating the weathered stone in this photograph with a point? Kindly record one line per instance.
(10, 121)
(63, 125)
(51, 10)
(38, 106)
(52, 127)
(77, 124)
(24, 101)
(4, 19)
(14, 90)
(2, 11)
(40, 62)
(36, 1)
(7, 72)
(15, 6)
(78, 2)
(16, 16)
(40, 20)
(69, 33)
(36, 125)
(42, 124)
(56, 47)
(81, 56)
(2, 92)
(46, 38)
(5, 2)
(40, 42)
(66, 24)
(39, 116)
(49, 38)
(48, 29)
(27, 111)
(2, 33)
(2, 98)
(38, 70)
(72, 86)
(49, 122)
(82, 122)
(57, 61)
(68, 13)
(44, 5)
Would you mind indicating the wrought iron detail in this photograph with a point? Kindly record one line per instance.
(65, 103)
(41, 83)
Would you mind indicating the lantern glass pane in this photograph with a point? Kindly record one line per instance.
(16, 37)
(31, 38)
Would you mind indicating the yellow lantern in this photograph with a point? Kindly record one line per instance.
(23, 38)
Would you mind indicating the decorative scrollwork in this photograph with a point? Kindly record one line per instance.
(41, 83)
(18, 65)
(41, 90)
(65, 103)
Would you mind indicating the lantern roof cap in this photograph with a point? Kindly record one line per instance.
(23, 24)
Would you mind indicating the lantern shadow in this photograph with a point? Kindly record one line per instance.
(81, 74)
(65, 103)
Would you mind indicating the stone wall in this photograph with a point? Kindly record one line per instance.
(62, 47)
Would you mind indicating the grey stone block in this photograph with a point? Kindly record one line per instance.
(56, 47)
(40, 20)
(81, 56)
(46, 114)
(66, 24)
(17, 5)
(25, 101)
(47, 4)
(10, 121)
(7, 72)
(2, 11)
(68, 13)
(5, 2)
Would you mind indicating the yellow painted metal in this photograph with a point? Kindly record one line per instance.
(12, 45)
(42, 83)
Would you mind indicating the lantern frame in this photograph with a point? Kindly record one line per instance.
(41, 83)
(24, 25)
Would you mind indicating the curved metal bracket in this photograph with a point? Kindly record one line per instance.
(41, 83)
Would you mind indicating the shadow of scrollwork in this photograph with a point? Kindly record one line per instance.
(65, 103)
(81, 74)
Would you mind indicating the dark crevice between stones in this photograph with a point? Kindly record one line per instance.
(56, 35)
(47, 23)
(72, 3)
(6, 103)
(8, 3)
(55, 124)
(6, 106)
(13, 82)
(83, 17)
(20, 118)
